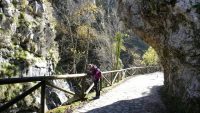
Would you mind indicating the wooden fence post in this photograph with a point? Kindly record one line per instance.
(111, 75)
(118, 76)
(82, 96)
(43, 97)
(121, 76)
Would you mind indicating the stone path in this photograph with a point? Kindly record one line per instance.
(136, 95)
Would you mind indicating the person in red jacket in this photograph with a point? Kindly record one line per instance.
(95, 74)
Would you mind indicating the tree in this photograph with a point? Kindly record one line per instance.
(150, 57)
(118, 45)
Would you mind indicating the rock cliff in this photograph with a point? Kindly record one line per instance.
(172, 27)
(44, 37)
(27, 48)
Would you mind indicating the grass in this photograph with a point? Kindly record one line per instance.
(74, 105)
(60, 109)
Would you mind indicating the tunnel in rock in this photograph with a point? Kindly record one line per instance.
(172, 28)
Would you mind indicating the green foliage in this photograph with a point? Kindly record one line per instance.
(22, 21)
(14, 2)
(118, 46)
(22, 16)
(53, 54)
(30, 9)
(86, 32)
(135, 55)
(86, 8)
(23, 5)
(60, 109)
(9, 91)
(8, 69)
(150, 57)
(20, 55)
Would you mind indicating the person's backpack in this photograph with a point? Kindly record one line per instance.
(98, 73)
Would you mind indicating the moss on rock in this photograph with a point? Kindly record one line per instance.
(8, 69)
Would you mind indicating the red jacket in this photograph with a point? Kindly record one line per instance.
(95, 73)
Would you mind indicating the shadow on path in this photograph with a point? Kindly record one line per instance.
(150, 103)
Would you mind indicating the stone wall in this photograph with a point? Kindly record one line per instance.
(171, 27)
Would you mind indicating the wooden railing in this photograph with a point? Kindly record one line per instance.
(108, 79)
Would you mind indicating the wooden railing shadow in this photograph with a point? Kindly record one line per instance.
(108, 79)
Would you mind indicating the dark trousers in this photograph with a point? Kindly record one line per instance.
(97, 88)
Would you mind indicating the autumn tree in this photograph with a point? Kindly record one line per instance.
(150, 57)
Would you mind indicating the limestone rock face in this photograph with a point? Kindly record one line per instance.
(27, 33)
(172, 27)
(36, 35)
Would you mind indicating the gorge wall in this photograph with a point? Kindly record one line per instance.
(44, 37)
(27, 48)
(172, 27)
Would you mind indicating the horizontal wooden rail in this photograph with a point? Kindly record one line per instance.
(38, 78)
(113, 71)
(42, 78)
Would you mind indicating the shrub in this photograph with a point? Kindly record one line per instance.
(150, 57)
(86, 32)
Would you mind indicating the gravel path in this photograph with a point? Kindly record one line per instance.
(136, 95)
